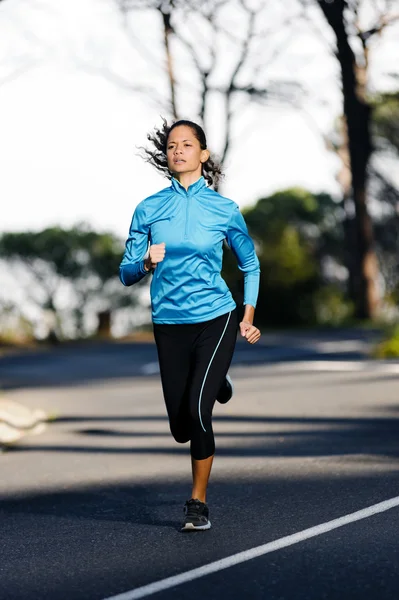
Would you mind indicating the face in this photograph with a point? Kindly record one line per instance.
(184, 152)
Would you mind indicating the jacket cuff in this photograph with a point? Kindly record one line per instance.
(142, 269)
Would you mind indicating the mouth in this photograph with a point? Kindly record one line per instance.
(178, 161)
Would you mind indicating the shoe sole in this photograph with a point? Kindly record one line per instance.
(231, 385)
(192, 527)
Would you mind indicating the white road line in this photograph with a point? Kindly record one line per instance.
(338, 365)
(241, 557)
(351, 366)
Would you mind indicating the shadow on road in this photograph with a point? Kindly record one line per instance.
(274, 436)
(71, 365)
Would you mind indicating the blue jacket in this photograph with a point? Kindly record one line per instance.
(186, 286)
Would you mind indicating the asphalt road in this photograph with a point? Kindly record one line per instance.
(85, 362)
(91, 508)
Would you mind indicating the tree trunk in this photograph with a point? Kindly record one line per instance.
(358, 115)
(344, 178)
(50, 320)
(168, 30)
(104, 324)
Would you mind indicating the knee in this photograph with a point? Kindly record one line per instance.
(181, 436)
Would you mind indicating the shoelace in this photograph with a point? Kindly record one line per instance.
(193, 509)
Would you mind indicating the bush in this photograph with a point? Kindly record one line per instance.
(332, 307)
(293, 230)
(389, 347)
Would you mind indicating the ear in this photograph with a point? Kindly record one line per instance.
(205, 154)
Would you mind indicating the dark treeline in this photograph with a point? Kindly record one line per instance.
(67, 277)
(72, 274)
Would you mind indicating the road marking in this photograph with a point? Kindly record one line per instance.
(337, 366)
(241, 557)
(351, 366)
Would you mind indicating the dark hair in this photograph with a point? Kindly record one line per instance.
(211, 170)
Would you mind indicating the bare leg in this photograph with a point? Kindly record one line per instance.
(201, 472)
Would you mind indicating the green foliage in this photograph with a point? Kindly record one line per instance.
(15, 329)
(389, 347)
(296, 204)
(385, 189)
(332, 307)
(71, 252)
(79, 259)
(386, 119)
(293, 230)
(287, 258)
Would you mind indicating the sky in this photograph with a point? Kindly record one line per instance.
(70, 136)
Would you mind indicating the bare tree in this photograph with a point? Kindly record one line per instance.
(215, 53)
(352, 46)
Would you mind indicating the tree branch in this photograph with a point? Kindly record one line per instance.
(136, 43)
(167, 31)
(156, 99)
(18, 72)
(232, 86)
(378, 28)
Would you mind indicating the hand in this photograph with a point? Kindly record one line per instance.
(157, 254)
(250, 332)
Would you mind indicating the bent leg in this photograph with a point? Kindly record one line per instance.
(174, 355)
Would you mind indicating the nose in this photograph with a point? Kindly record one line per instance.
(177, 150)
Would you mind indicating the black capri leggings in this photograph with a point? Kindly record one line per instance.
(194, 359)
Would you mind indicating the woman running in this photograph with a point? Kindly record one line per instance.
(193, 312)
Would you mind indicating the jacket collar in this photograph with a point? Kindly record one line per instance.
(194, 188)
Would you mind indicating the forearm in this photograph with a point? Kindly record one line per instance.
(251, 291)
(249, 313)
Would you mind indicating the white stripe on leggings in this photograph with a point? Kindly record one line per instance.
(209, 366)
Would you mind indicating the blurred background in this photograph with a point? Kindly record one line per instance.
(300, 102)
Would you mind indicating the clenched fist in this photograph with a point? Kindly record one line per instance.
(250, 332)
(157, 254)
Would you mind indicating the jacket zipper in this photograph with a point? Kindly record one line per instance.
(187, 215)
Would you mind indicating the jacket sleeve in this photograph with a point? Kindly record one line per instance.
(243, 247)
(131, 269)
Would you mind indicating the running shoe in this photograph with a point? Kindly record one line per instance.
(196, 516)
(226, 391)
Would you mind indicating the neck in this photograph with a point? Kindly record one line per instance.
(187, 179)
